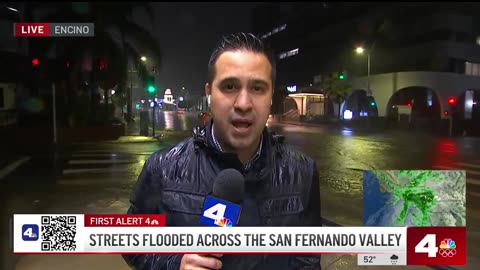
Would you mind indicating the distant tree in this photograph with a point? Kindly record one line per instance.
(279, 95)
(116, 39)
(336, 89)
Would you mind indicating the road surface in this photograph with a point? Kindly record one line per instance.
(98, 178)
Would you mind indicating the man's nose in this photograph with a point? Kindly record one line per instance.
(243, 102)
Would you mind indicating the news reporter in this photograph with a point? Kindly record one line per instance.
(281, 183)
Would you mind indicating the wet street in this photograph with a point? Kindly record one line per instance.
(98, 177)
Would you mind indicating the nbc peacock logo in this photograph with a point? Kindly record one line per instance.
(224, 222)
(447, 248)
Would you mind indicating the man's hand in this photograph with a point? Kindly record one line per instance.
(200, 262)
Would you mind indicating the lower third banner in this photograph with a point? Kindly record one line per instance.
(121, 234)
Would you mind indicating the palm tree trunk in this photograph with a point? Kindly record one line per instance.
(339, 112)
(123, 80)
(93, 77)
(99, 25)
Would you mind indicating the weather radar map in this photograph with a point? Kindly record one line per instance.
(414, 198)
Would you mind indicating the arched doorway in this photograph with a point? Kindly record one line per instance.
(307, 107)
(415, 105)
(290, 110)
(465, 111)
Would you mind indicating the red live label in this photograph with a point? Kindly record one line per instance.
(32, 29)
(124, 220)
(436, 246)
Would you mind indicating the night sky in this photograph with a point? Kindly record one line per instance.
(187, 33)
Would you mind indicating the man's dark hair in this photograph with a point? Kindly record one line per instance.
(241, 41)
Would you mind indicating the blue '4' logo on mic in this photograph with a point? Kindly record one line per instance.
(220, 213)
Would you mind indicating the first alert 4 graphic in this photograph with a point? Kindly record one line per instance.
(122, 221)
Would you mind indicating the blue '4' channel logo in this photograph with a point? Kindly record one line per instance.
(219, 213)
(30, 232)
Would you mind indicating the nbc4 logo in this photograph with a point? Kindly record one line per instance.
(446, 249)
(219, 213)
(30, 232)
(223, 222)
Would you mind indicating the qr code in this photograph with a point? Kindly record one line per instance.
(58, 233)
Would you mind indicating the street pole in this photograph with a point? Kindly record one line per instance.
(129, 105)
(153, 116)
(368, 74)
(130, 92)
(54, 106)
(450, 125)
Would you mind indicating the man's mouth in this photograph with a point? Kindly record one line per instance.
(241, 124)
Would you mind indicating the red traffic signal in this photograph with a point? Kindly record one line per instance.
(452, 101)
(103, 64)
(35, 62)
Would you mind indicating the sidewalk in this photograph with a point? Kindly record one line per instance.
(135, 139)
(333, 124)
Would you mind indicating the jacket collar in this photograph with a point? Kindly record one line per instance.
(251, 161)
(202, 138)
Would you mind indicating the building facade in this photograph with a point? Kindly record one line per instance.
(420, 55)
(14, 64)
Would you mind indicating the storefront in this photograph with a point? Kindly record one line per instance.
(309, 103)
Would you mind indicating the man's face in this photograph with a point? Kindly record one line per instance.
(241, 94)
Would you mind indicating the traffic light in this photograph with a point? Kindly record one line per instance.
(341, 76)
(151, 89)
(372, 103)
(150, 84)
(102, 64)
(452, 101)
(35, 62)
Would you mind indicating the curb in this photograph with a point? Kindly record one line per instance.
(335, 125)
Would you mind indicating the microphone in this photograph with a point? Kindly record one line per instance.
(222, 209)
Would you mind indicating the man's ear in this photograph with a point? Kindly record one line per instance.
(208, 89)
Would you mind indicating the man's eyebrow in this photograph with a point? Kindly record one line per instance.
(235, 79)
(258, 81)
(229, 79)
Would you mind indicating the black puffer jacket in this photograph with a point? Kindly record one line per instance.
(281, 188)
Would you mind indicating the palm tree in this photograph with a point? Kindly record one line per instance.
(336, 89)
(116, 38)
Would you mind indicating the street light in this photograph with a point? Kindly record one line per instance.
(12, 9)
(143, 58)
(361, 50)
